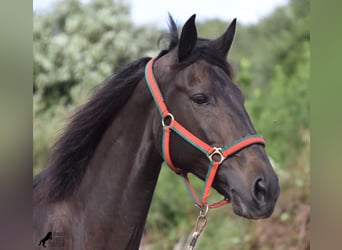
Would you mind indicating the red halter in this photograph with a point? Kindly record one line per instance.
(169, 123)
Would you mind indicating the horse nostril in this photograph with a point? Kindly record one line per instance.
(259, 191)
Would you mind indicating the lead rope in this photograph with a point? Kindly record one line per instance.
(201, 222)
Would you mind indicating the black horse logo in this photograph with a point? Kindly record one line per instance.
(46, 238)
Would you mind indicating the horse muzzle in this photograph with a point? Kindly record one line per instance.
(252, 190)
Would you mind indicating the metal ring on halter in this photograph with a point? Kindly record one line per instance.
(217, 151)
(168, 116)
(204, 211)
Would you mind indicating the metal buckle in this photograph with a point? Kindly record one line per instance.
(217, 151)
(168, 116)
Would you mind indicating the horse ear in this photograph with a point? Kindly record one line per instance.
(224, 42)
(187, 39)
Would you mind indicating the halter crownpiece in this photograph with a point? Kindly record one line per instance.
(216, 155)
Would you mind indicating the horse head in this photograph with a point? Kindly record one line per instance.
(197, 86)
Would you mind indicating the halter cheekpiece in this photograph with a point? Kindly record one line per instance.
(215, 155)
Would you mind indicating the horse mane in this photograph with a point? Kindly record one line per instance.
(70, 154)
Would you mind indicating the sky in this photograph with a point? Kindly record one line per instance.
(155, 11)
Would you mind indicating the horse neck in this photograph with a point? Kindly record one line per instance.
(118, 185)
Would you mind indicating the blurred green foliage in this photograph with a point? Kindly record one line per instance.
(276, 77)
(76, 46)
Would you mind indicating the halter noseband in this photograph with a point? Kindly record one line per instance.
(216, 155)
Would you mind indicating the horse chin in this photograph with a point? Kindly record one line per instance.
(240, 208)
(249, 212)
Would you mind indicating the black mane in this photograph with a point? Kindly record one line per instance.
(75, 147)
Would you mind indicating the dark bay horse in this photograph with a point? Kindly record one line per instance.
(184, 108)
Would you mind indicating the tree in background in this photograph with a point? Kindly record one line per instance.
(278, 93)
(75, 48)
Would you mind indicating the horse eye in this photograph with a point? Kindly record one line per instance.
(200, 99)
